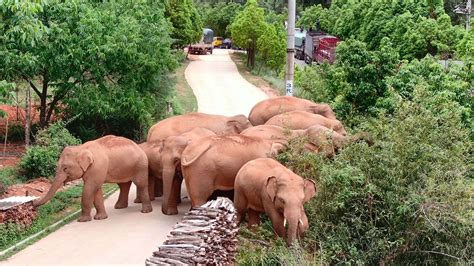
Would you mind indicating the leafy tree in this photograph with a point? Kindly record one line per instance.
(414, 28)
(272, 47)
(466, 46)
(91, 51)
(247, 28)
(355, 84)
(220, 16)
(186, 21)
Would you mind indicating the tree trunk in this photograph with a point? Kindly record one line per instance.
(27, 116)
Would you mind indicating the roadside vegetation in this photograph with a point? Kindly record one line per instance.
(185, 100)
(405, 199)
(93, 69)
(262, 79)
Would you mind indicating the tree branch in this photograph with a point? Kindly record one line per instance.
(33, 86)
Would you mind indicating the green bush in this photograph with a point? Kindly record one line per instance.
(16, 132)
(405, 199)
(40, 159)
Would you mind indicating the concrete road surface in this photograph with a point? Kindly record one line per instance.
(128, 236)
(218, 86)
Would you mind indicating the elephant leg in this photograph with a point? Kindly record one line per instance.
(200, 196)
(158, 188)
(155, 188)
(240, 203)
(254, 219)
(179, 178)
(177, 181)
(99, 205)
(141, 181)
(122, 201)
(88, 195)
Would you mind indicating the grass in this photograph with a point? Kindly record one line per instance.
(185, 95)
(9, 176)
(261, 79)
(63, 204)
(263, 248)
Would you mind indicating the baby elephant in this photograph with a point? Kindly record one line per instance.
(109, 159)
(265, 185)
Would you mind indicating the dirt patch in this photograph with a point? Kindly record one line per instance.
(11, 153)
(36, 187)
(271, 92)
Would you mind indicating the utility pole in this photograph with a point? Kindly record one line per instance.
(290, 49)
(468, 15)
(465, 9)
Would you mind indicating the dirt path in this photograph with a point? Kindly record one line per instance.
(128, 236)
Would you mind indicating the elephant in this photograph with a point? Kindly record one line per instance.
(155, 182)
(171, 162)
(212, 163)
(108, 159)
(269, 108)
(180, 124)
(326, 141)
(303, 120)
(272, 132)
(265, 185)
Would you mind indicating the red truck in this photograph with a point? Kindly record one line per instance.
(320, 47)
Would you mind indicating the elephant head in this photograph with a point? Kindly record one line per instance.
(329, 142)
(170, 159)
(236, 124)
(72, 164)
(289, 196)
(321, 109)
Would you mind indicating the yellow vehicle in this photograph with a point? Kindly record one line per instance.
(217, 42)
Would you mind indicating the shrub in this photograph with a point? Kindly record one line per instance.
(40, 159)
(403, 200)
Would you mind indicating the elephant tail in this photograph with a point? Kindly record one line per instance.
(203, 149)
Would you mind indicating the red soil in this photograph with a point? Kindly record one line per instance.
(36, 187)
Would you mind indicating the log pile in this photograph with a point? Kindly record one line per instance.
(207, 235)
(23, 215)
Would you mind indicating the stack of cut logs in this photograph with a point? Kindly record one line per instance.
(207, 235)
(22, 215)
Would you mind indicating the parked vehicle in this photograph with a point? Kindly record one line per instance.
(300, 37)
(320, 47)
(226, 43)
(217, 42)
(205, 44)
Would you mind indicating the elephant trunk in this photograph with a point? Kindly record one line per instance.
(169, 205)
(58, 182)
(363, 136)
(293, 219)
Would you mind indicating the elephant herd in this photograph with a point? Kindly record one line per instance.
(211, 153)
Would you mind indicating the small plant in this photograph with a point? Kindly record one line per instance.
(40, 159)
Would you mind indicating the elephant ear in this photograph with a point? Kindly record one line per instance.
(309, 189)
(237, 123)
(271, 187)
(85, 159)
(276, 148)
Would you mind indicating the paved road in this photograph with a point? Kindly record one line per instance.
(128, 236)
(218, 86)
